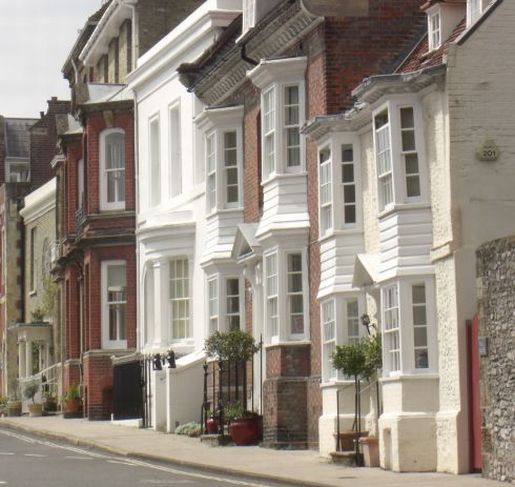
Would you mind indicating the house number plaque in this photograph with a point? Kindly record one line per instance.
(488, 151)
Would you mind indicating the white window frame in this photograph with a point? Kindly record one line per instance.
(224, 168)
(175, 149)
(277, 133)
(154, 163)
(33, 266)
(104, 204)
(393, 107)
(434, 29)
(173, 286)
(272, 295)
(295, 126)
(213, 304)
(107, 343)
(329, 339)
(293, 294)
(349, 184)
(249, 15)
(226, 297)
(269, 132)
(211, 163)
(325, 190)
(280, 294)
(391, 319)
(384, 161)
(405, 153)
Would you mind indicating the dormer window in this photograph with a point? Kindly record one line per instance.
(434, 30)
(474, 8)
(249, 14)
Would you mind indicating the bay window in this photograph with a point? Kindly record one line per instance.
(112, 169)
(114, 304)
(179, 299)
(295, 294)
(339, 184)
(409, 326)
(340, 324)
(224, 303)
(282, 86)
(223, 156)
(398, 139)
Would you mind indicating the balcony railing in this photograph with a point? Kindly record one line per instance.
(80, 219)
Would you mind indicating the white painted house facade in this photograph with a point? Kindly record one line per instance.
(425, 202)
(179, 230)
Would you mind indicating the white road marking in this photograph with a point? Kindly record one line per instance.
(35, 455)
(133, 462)
(76, 457)
(3, 482)
(121, 462)
(6, 453)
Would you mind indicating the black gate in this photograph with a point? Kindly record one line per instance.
(127, 390)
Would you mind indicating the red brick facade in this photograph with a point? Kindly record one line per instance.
(92, 236)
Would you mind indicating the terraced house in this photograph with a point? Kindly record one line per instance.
(96, 193)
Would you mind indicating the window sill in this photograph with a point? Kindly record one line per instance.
(355, 230)
(429, 375)
(288, 343)
(397, 207)
(286, 175)
(332, 383)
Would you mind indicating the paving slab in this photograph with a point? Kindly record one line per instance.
(293, 467)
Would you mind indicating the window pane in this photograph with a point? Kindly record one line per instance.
(418, 294)
(232, 287)
(381, 119)
(350, 214)
(408, 140)
(413, 186)
(407, 120)
(347, 153)
(295, 283)
(420, 336)
(411, 163)
(349, 194)
(421, 359)
(347, 173)
(325, 154)
(233, 323)
(294, 262)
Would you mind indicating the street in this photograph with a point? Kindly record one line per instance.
(29, 461)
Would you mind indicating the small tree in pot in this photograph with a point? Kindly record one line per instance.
(360, 360)
(237, 347)
(72, 402)
(29, 392)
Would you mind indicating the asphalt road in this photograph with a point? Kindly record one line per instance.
(30, 461)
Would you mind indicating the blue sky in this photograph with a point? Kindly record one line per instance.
(36, 36)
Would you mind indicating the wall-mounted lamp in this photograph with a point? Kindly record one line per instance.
(157, 364)
(365, 321)
(170, 357)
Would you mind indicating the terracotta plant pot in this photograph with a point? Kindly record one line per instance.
(212, 426)
(35, 409)
(245, 430)
(14, 408)
(72, 405)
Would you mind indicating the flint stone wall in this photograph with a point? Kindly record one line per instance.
(496, 275)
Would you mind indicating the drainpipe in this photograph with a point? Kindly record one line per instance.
(244, 57)
(131, 5)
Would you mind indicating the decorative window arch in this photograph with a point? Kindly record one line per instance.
(112, 169)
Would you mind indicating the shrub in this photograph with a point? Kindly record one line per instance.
(192, 429)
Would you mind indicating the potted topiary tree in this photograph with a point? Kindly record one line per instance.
(29, 392)
(360, 360)
(237, 347)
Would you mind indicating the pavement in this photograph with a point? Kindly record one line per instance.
(283, 466)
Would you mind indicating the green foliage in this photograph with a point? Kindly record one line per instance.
(189, 429)
(360, 359)
(3, 401)
(235, 345)
(48, 300)
(30, 390)
(73, 392)
(37, 315)
(236, 410)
